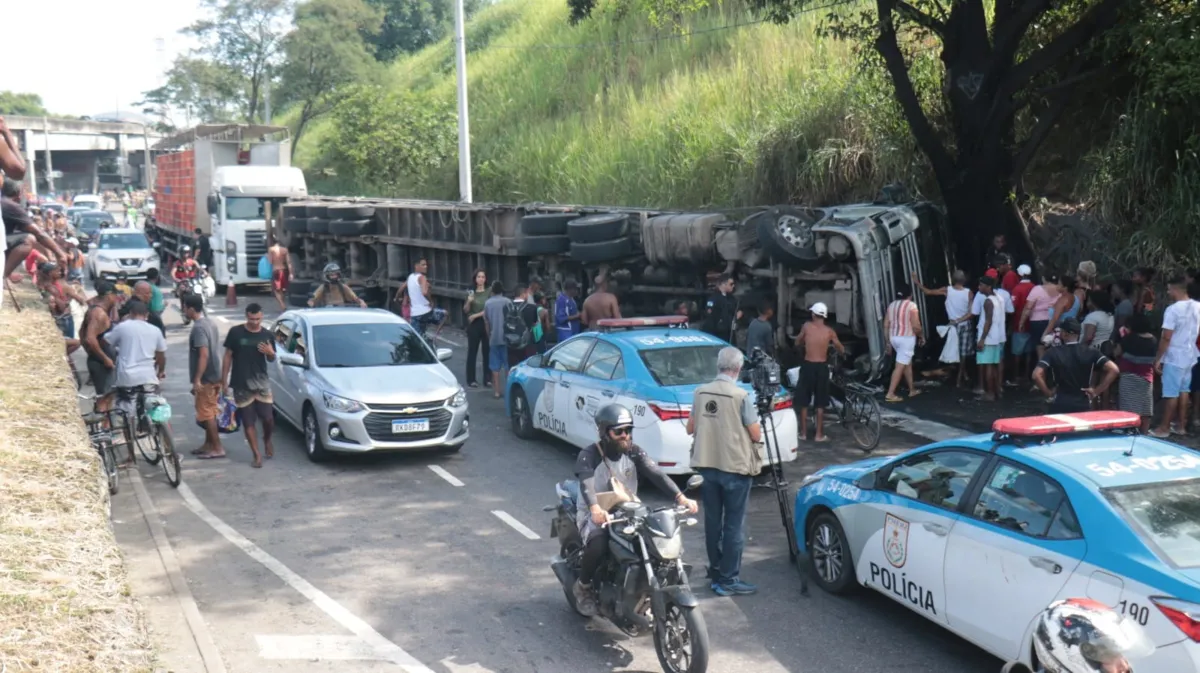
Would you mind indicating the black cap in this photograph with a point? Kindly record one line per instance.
(1069, 326)
(988, 281)
(103, 287)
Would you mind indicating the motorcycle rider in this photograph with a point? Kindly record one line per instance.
(185, 269)
(1080, 635)
(610, 465)
(333, 292)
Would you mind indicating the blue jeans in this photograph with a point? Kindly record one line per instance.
(725, 496)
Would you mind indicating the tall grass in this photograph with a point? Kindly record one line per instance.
(632, 115)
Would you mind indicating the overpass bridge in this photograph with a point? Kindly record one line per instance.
(83, 155)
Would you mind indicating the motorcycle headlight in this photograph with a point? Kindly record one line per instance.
(669, 548)
(341, 404)
(459, 398)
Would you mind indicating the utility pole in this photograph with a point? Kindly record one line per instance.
(49, 161)
(146, 167)
(464, 126)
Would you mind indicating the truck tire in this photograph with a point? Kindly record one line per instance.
(598, 228)
(546, 224)
(318, 225)
(351, 227)
(542, 245)
(351, 211)
(602, 252)
(316, 210)
(296, 225)
(786, 234)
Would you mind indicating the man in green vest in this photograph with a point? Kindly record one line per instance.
(726, 429)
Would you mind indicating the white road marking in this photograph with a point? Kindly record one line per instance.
(386, 649)
(451, 479)
(222, 318)
(316, 648)
(452, 343)
(515, 525)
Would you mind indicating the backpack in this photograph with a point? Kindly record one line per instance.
(516, 332)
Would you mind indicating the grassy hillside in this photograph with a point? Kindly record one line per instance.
(615, 111)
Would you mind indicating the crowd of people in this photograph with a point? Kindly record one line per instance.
(1081, 343)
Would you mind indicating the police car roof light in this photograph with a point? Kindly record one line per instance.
(1061, 424)
(610, 324)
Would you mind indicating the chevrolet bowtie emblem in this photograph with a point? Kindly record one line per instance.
(409, 410)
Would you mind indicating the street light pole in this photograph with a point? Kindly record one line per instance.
(464, 125)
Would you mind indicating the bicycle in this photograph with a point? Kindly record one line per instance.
(102, 440)
(859, 409)
(151, 431)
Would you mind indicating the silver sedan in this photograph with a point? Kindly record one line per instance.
(356, 380)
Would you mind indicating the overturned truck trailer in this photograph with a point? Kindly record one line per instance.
(852, 258)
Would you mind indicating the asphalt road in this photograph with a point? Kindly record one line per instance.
(431, 567)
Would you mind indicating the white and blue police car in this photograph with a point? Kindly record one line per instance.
(652, 366)
(979, 534)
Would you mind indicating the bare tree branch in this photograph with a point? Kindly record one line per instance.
(920, 18)
(1100, 17)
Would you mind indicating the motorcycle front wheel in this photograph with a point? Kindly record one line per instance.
(682, 641)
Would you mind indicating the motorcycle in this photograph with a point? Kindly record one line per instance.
(642, 585)
(201, 285)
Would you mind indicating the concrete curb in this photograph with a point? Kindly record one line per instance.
(205, 645)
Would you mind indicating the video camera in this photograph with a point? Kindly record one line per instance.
(762, 373)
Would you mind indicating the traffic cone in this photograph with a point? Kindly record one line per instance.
(230, 295)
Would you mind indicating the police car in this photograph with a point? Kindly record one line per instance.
(981, 533)
(646, 364)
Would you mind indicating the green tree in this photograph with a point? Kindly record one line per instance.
(202, 91)
(411, 25)
(324, 53)
(243, 37)
(388, 139)
(13, 103)
(1008, 69)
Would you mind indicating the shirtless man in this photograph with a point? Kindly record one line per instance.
(281, 271)
(812, 386)
(599, 305)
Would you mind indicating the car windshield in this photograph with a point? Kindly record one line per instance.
(687, 366)
(1167, 514)
(369, 345)
(91, 224)
(123, 242)
(243, 208)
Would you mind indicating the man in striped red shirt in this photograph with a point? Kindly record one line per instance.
(902, 325)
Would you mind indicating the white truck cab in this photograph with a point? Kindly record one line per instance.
(238, 217)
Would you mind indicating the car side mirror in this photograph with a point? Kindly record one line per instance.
(291, 359)
(544, 360)
(156, 245)
(694, 482)
(444, 354)
(867, 481)
(214, 204)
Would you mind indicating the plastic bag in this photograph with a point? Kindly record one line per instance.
(264, 268)
(227, 416)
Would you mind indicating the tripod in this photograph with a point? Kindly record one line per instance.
(764, 404)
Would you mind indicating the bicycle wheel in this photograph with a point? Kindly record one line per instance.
(108, 459)
(866, 421)
(150, 447)
(170, 463)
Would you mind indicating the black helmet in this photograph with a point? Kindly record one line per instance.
(332, 269)
(612, 416)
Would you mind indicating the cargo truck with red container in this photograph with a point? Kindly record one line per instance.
(219, 179)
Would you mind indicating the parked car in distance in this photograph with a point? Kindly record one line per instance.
(355, 380)
(116, 251)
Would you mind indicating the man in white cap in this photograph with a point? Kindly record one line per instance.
(812, 386)
(1022, 343)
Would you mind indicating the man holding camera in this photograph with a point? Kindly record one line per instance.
(726, 428)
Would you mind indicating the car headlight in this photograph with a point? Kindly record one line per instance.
(669, 548)
(810, 479)
(104, 258)
(459, 399)
(341, 404)
(152, 258)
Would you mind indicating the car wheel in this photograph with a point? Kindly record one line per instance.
(829, 554)
(598, 228)
(318, 225)
(542, 245)
(522, 416)
(602, 252)
(786, 234)
(546, 224)
(314, 444)
(351, 227)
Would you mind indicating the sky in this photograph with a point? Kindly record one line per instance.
(84, 57)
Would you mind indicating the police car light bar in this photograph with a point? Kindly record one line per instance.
(1059, 424)
(610, 324)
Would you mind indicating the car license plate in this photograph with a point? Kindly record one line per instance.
(410, 425)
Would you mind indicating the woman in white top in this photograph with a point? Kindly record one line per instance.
(1099, 322)
(902, 324)
(958, 311)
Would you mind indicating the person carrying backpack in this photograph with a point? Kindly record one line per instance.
(495, 313)
(520, 324)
